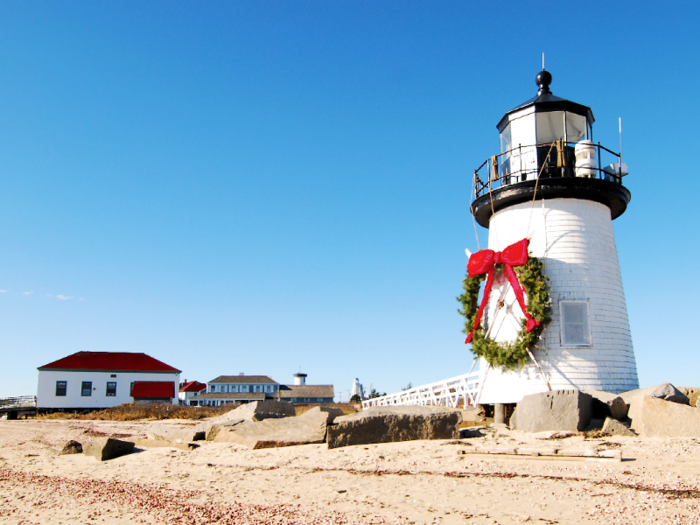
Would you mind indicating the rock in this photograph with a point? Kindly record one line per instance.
(560, 410)
(693, 398)
(72, 447)
(606, 404)
(665, 391)
(617, 428)
(395, 423)
(595, 424)
(306, 429)
(256, 411)
(658, 418)
(176, 433)
(107, 448)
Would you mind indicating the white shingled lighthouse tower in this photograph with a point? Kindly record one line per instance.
(552, 184)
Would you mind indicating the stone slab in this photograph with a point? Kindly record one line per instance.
(309, 428)
(176, 433)
(393, 424)
(107, 448)
(659, 418)
(558, 410)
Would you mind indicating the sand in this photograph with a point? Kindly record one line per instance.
(412, 482)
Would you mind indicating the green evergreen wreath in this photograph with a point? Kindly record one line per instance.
(508, 355)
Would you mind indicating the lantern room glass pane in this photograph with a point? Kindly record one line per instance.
(550, 126)
(575, 127)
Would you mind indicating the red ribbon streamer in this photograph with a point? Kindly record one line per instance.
(485, 261)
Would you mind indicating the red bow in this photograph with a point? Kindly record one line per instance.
(485, 261)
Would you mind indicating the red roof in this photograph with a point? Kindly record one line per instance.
(153, 389)
(110, 361)
(193, 386)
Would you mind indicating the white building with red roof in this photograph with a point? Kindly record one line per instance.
(93, 380)
(189, 389)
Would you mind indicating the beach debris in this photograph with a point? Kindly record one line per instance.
(308, 428)
(106, 448)
(394, 423)
(72, 447)
(560, 410)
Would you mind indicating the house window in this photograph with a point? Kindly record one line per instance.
(86, 389)
(111, 388)
(319, 400)
(258, 388)
(307, 399)
(244, 388)
(61, 387)
(234, 388)
(574, 323)
(212, 388)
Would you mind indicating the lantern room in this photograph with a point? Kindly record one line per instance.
(542, 133)
(547, 151)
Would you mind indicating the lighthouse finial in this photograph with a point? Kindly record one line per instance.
(543, 80)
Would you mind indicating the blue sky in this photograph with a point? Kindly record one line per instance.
(268, 187)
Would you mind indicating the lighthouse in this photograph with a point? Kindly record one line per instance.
(554, 186)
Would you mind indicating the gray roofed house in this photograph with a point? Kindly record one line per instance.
(243, 379)
(307, 393)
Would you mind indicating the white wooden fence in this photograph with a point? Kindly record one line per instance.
(461, 390)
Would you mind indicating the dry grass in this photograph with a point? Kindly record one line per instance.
(347, 408)
(134, 412)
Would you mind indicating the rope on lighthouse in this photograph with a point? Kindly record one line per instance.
(537, 181)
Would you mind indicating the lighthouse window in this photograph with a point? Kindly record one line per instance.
(574, 323)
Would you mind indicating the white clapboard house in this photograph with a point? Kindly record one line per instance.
(92, 380)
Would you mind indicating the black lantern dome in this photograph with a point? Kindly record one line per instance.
(547, 151)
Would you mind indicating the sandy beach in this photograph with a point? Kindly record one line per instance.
(658, 481)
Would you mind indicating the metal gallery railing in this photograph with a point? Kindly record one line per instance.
(548, 160)
(457, 391)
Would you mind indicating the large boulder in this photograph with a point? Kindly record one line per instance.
(606, 404)
(560, 410)
(395, 423)
(306, 429)
(255, 411)
(664, 391)
(107, 448)
(175, 432)
(658, 418)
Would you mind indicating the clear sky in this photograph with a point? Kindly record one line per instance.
(268, 187)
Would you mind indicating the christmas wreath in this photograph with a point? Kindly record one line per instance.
(525, 273)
